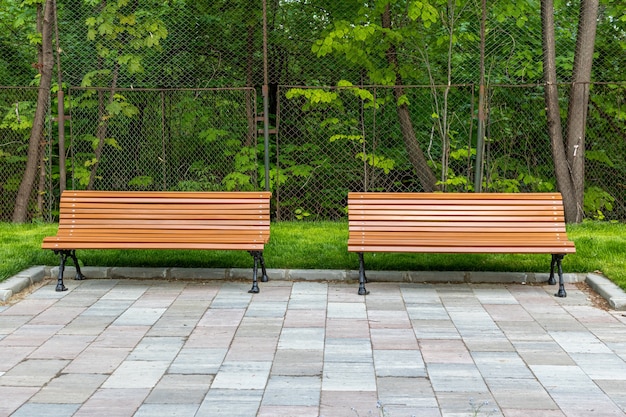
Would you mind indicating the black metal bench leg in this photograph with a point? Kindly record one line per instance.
(362, 278)
(264, 277)
(63, 257)
(64, 254)
(79, 275)
(557, 259)
(551, 280)
(255, 284)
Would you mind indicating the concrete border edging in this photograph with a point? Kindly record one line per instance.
(21, 281)
(614, 295)
(608, 290)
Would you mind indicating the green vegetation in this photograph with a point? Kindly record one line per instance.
(600, 246)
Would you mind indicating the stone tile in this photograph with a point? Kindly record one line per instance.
(227, 317)
(435, 329)
(69, 388)
(57, 315)
(87, 325)
(157, 349)
(139, 316)
(98, 360)
(230, 403)
(348, 350)
(30, 335)
(301, 338)
(62, 347)
(267, 309)
(198, 361)
(48, 410)
(445, 351)
(542, 353)
(211, 336)
(348, 376)
(166, 410)
(467, 403)
(579, 342)
(346, 310)
(305, 317)
(180, 389)
(118, 402)
(287, 411)
(386, 319)
(293, 391)
(298, 362)
(399, 363)
(108, 308)
(406, 395)
(242, 375)
(252, 348)
(520, 393)
(393, 339)
(269, 327)
(12, 355)
(345, 403)
(497, 364)
(14, 397)
(136, 374)
(120, 336)
(347, 328)
(427, 312)
(32, 372)
(601, 366)
(457, 378)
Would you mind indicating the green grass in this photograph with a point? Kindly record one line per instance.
(600, 246)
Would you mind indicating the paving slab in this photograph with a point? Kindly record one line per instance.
(311, 347)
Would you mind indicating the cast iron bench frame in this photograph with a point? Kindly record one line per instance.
(161, 220)
(458, 223)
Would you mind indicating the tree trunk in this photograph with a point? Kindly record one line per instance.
(569, 158)
(20, 212)
(415, 153)
(579, 100)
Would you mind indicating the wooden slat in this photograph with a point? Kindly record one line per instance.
(454, 222)
(162, 220)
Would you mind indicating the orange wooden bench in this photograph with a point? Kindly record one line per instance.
(458, 223)
(161, 220)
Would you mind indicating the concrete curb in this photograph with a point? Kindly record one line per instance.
(21, 281)
(604, 287)
(608, 290)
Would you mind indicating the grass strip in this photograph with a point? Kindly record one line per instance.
(600, 247)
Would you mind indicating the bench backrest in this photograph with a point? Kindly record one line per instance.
(462, 222)
(163, 212)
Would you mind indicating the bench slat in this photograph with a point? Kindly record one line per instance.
(445, 222)
(464, 249)
(488, 198)
(178, 219)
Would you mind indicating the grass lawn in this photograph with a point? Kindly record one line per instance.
(600, 246)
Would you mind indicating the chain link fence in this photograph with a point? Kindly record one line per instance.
(186, 140)
(335, 140)
(168, 95)
(17, 106)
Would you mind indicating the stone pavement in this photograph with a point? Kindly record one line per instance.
(123, 347)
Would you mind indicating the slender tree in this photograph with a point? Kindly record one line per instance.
(37, 138)
(569, 155)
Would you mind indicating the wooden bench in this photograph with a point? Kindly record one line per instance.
(161, 220)
(458, 223)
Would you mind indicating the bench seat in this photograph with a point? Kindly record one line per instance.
(458, 223)
(161, 220)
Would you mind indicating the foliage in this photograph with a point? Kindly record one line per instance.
(336, 133)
